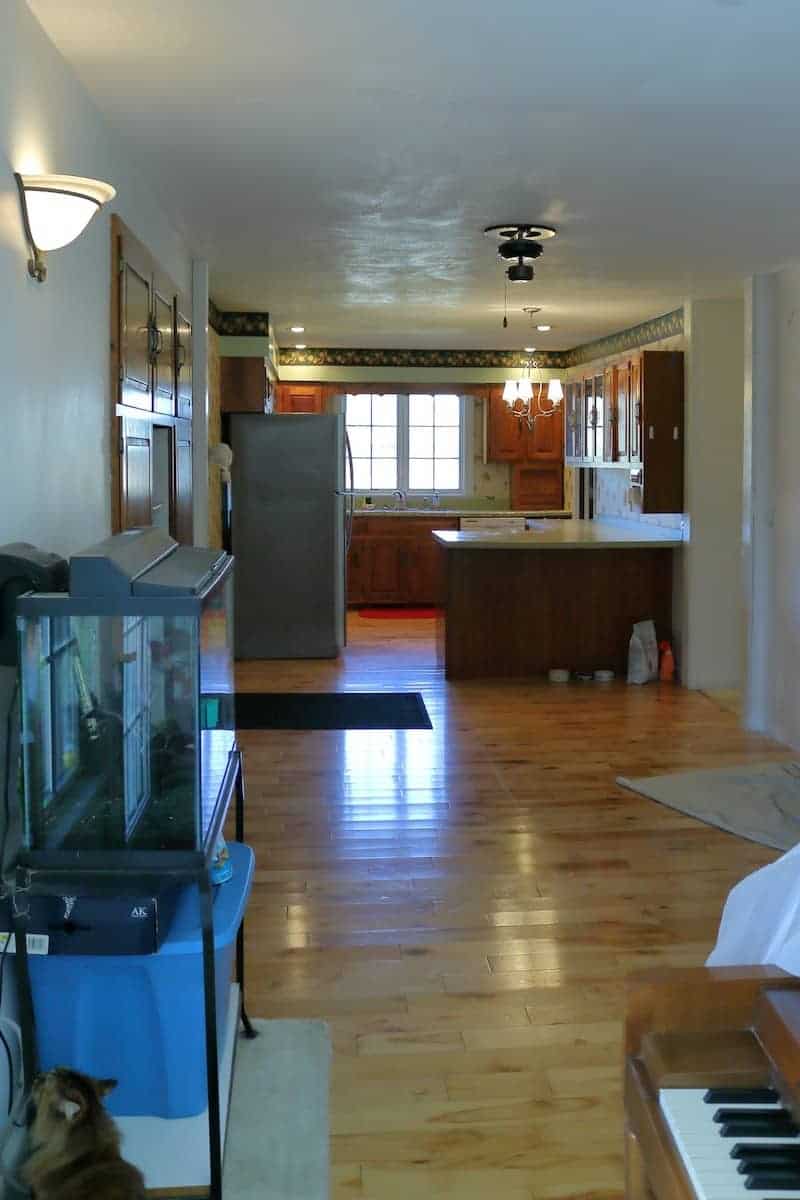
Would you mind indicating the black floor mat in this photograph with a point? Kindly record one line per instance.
(331, 710)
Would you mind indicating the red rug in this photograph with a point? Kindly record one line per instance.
(399, 613)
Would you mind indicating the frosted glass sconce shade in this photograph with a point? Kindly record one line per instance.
(56, 209)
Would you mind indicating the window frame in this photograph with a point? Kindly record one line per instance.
(466, 432)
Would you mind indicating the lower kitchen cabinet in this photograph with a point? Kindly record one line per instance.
(537, 486)
(395, 560)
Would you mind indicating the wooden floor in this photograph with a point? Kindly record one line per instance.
(463, 905)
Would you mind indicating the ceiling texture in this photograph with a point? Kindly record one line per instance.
(336, 162)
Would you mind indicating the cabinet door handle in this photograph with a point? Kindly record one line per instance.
(651, 432)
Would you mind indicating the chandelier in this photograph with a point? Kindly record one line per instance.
(519, 396)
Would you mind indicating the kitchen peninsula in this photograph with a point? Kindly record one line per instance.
(562, 594)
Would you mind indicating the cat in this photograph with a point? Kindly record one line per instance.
(75, 1143)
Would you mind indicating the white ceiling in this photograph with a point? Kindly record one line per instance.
(336, 162)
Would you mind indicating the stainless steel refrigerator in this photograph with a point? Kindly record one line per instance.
(290, 523)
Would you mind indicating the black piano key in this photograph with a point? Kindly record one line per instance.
(722, 1115)
(749, 1129)
(753, 1152)
(752, 1166)
(723, 1095)
(779, 1181)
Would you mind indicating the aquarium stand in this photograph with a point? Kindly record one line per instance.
(41, 879)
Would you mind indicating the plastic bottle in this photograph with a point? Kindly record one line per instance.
(666, 670)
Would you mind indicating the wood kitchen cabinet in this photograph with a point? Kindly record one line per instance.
(300, 398)
(573, 422)
(510, 439)
(395, 560)
(151, 392)
(658, 416)
(539, 486)
(505, 433)
(243, 384)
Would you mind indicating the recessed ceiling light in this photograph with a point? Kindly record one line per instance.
(300, 346)
(529, 349)
(544, 328)
(298, 329)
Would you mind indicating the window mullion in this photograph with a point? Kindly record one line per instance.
(402, 441)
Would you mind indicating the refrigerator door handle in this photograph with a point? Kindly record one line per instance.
(351, 500)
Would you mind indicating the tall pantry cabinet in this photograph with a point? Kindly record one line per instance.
(151, 389)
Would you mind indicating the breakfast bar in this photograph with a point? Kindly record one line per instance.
(561, 594)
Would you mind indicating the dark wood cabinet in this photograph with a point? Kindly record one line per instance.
(396, 560)
(505, 432)
(660, 420)
(573, 421)
(183, 357)
(537, 486)
(300, 398)
(151, 390)
(545, 442)
(243, 384)
(632, 415)
(635, 410)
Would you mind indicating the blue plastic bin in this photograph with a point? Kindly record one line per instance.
(140, 1018)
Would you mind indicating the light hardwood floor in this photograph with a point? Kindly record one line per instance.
(463, 905)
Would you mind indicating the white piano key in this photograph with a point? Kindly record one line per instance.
(705, 1154)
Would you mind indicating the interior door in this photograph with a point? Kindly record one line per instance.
(161, 514)
(136, 473)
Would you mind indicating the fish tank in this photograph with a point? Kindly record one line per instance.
(127, 703)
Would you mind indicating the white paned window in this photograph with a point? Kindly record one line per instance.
(417, 442)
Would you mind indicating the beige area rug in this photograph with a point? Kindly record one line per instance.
(759, 802)
(277, 1144)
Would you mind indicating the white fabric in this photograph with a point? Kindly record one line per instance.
(761, 918)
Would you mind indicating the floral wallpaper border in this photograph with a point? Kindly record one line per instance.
(253, 324)
(668, 325)
(324, 356)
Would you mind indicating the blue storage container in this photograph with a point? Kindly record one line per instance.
(140, 1018)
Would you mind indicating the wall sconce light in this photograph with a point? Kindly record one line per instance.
(55, 210)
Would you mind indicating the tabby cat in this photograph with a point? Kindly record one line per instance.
(75, 1143)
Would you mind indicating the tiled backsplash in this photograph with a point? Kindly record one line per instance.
(614, 497)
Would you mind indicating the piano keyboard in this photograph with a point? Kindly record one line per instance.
(736, 1144)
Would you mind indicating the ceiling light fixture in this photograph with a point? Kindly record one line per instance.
(299, 345)
(544, 328)
(55, 210)
(298, 328)
(529, 349)
(518, 395)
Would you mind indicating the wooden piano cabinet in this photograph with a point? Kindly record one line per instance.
(699, 1027)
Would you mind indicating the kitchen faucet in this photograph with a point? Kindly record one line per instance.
(400, 497)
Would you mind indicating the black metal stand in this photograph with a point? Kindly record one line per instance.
(42, 880)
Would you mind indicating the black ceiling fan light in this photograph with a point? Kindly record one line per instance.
(520, 244)
(520, 272)
(522, 248)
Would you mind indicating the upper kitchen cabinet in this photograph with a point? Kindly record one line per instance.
(658, 413)
(300, 398)
(243, 385)
(183, 356)
(573, 405)
(545, 442)
(635, 409)
(505, 435)
(144, 336)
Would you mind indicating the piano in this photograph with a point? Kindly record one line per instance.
(712, 1084)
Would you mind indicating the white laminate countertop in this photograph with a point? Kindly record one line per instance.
(564, 535)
